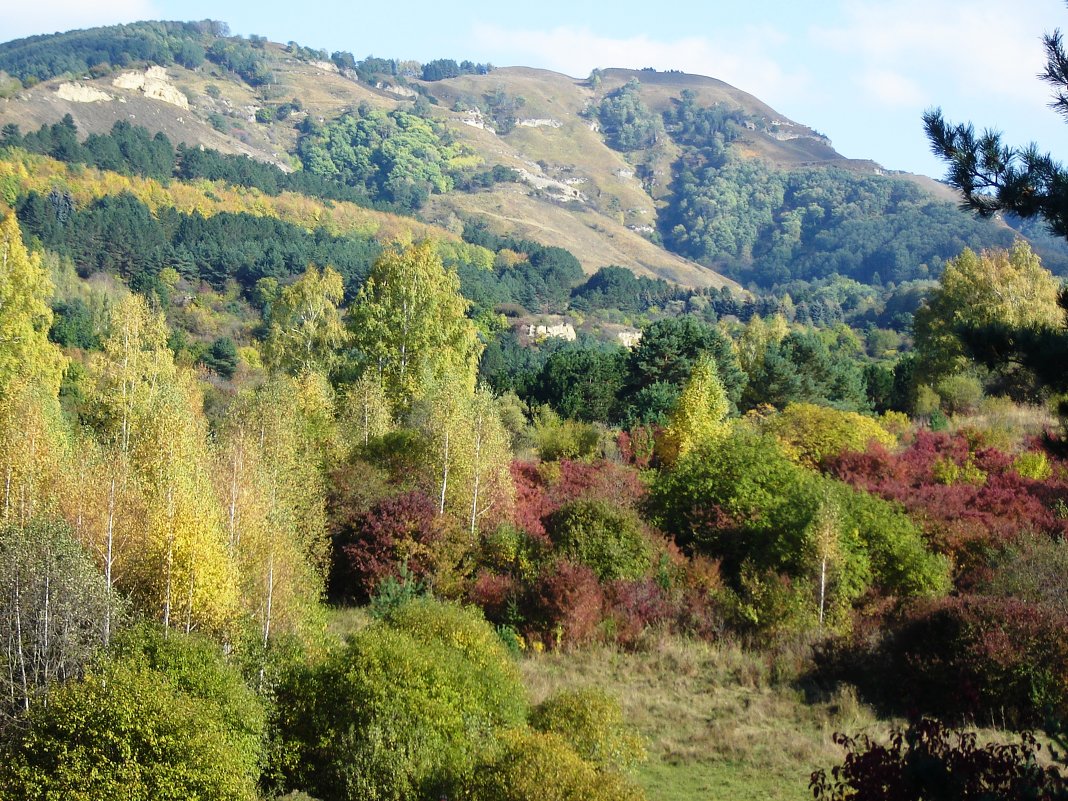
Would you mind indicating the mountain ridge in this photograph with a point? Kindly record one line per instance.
(608, 205)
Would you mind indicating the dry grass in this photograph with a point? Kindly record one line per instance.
(718, 722)
(1006, 424)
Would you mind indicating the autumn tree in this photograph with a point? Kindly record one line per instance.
(25, 316)
(363, 411)
(1009, 290)
(151, 413)
(304, 328)
(267, 474)
(699, 412)
(409, 323)
(31, 436)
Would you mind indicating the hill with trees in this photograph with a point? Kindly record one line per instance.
(374, 429)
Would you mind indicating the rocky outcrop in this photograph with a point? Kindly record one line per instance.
(154, 84)
(474, 118)
(629, 339)
(80, 93)
(539, 123)
(396, 91)
(557, 331)
(562, 190)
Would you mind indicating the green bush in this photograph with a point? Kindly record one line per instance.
(603, 537)
(403, 711)
(153, 727)
(537, 766)
(195, 667)
(744, 502)
(591, 722)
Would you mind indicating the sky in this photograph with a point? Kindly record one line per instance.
(859, 71)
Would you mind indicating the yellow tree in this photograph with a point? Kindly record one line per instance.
(757, 335)
(183, 571)
(149, 415)
(995, 287)
(134, 364)
(699, 412)
(409, 324)
(268, 470)
(105, 508)
(32, 439)
(25, 316)
(364, 411)
(304, 329)
(490, 485)
(442, 414)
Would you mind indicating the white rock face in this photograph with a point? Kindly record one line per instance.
(80, 93)
(629, 339)
(395, 90)
(474, 118)
(559, 331)
(539, 123)
(154, 84)
(325, 66)
(560, 189)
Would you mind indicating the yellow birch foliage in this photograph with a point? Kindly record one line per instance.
(699, 412)
(268, 474)
(363, 412)
(305, 332)
(409, 324)
(1010, 287)
(489, 491)
(32, 439)
(25, 316)
(150, 413)
(184, 573)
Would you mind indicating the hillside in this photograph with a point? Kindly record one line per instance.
(575, 183)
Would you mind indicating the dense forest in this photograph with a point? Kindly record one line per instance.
(306, 497)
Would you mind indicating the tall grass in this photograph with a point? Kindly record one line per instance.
(720, 722)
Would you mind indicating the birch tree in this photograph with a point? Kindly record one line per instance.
(409, 324)
(52, 599)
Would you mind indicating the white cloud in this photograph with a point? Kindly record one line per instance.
(744, 60)
(21, 19)
(983, 48)
(891, 88)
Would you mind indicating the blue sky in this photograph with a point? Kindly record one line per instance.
(859, 71)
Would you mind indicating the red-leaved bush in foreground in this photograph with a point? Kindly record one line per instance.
(968, 659)
(401, 529)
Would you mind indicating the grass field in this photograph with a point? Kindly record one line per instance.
(719, 722)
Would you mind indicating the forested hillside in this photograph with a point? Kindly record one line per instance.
(374, 429)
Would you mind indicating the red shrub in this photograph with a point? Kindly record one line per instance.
(565, 605)
(394, 531)
(987, 509)
(633, 606)
(970, 658)
(542, 488)
(637, 446)
(495, 594)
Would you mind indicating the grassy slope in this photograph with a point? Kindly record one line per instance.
(718, 726)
